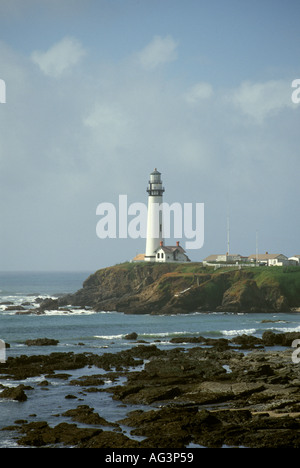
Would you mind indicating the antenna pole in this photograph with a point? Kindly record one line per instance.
(228, 238)
(256, 247)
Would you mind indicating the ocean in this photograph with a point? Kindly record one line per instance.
(96, 332)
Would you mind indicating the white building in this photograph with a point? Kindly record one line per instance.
(171, 253)
(294, 260)
(270, 259)
(227, 258)
(261, 259)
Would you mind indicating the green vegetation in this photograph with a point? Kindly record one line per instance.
(192, 268)
(286, 278)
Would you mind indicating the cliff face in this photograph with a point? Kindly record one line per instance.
(143, 288)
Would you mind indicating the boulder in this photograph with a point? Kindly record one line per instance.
(131, 336)
(14, 393)
(42, 342)
(247, 341)
(39, 434)
(86, 415)
(270, 338)
(49, 304)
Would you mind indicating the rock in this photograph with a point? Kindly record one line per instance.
(131, 336)
(247, 341)
(44, 383)
(146, 395)
(217, 392)
(87, 381)
(229, 427)
(176, 423)
(145, 351)
(177, 366)
(39, 299)
(14, 393)
(26, 312)
(39, 434)
(84, 414)
(167, 376)
(22, 367)
(187, 339)
(42, 342)
(61, 376)
(261, 386)
(243, 295)
(108, 439)
(270, 338)
(49, 304)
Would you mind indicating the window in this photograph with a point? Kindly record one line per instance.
(158, 255)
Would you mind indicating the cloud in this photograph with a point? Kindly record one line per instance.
(110, 125)
(198, 92)
(160, 50)
(100, 137)
(60, 58)
(262, 100)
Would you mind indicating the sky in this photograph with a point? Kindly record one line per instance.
(98, 93)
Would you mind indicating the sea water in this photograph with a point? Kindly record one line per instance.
(84, 330)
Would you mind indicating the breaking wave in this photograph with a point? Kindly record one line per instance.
(109, 337)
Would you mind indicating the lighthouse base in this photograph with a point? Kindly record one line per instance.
(165, 254)
(150, 258)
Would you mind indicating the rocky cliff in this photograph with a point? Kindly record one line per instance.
(142, 288)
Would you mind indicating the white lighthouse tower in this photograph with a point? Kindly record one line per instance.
(155, 218)
(156, 251)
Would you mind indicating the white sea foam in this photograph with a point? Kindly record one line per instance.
(9, 443)
(244, 331)
(109, 337)
(7, 312)
(7, 383)
(285, 329)
(70, 312)
(166, 334)
(147, 335)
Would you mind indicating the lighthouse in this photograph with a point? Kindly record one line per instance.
(156, 250)
(155, 219)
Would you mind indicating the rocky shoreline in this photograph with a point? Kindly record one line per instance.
(243, 392)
